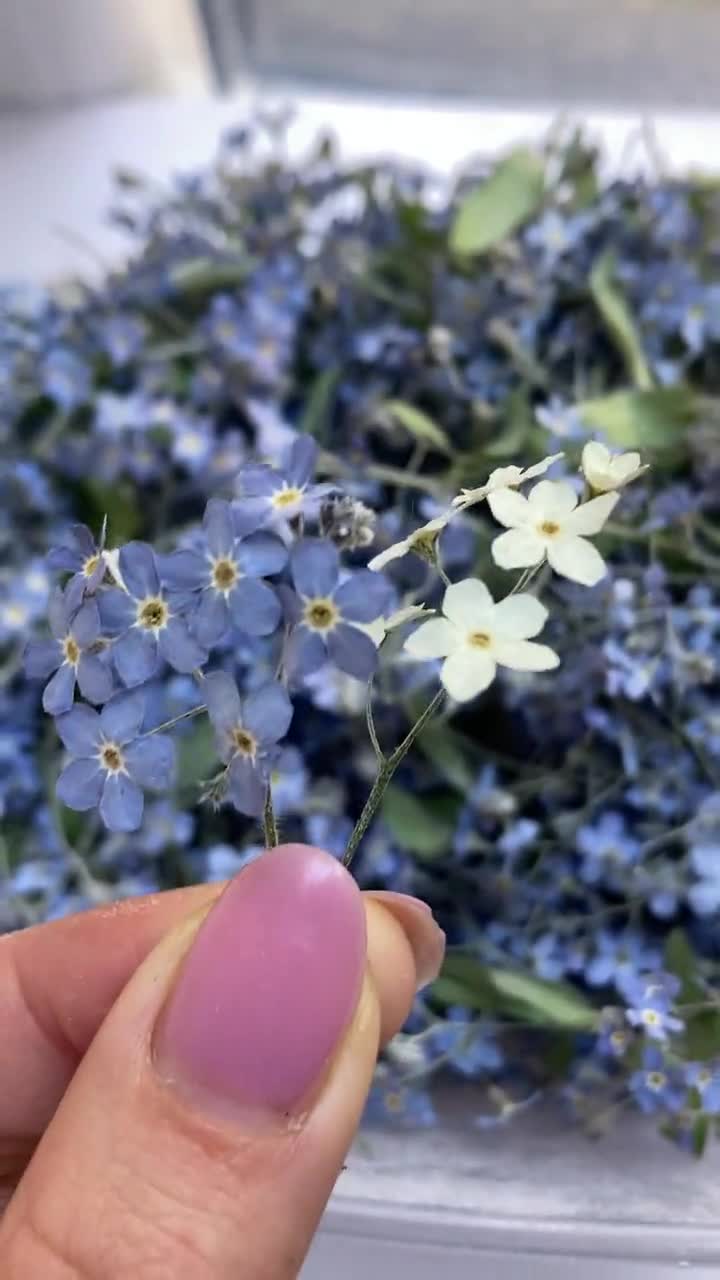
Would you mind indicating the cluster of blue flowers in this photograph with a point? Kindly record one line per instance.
(297, 365)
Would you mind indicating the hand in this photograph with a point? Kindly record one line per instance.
(181, 1076)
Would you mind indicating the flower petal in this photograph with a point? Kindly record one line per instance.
(591, 516)
(249, 514)
(576, 559)
(247, 786)
(180, 648)
(254, 607)
(305, 652)
(80, 731)
(552, 498)
(211, 619)
(219, 527)
(139, 570)
(259, 481)
(315, 566)
(261, 554)
(364, 597)
(524, 655)
(58, 613)
(85, 626)
(509, 507)
(59, 693)
(117, 611)
(518, 549)
(352, 651)
(395, 552)
(41, 658)
(595, 457)
(151, 761)
(519, 616)
(467, 601)
(184, 571)
(135, 655)
(301, 461)
(267, 713)
(434, 639)
(223, 700)
(466, 673)
(80, 784)
(121, 718)
(94, 678)
(121, 803)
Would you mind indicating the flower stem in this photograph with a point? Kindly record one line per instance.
(372, 803)
(169, 724)
(269, 822)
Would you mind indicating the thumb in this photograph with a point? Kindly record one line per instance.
(202, 1133)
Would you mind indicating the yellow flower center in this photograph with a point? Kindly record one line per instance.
(394, 1102)
(286, 497)
(224, 574)
(71, 649)
(243, 742)
(90, 566)
(321, 614)
(549, 528)
(655, 1080)
(112, 758)
(650, 1018)
(480, 639)
(153, 613)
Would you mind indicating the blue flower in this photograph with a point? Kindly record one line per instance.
(606, 849)
(24, 600)
(122, 336)
(324, 613)
(650, 1001)
(80, 555)
(290, 780)
(394, 1101)
(657, 1087)
(619, 957)
(246, 734)
(164, 827)
(112, 762)
(223, 861)
(148, 623)
(65, 378)
(469, 1046)
(225, 578)
(705, 1077)
(284, 492)
(71, 654)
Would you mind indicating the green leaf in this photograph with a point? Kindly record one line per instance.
(500, 205)
(515, 995)
(205, 275)
(196, 754)
(613, 307)
(549, 1004)
(681, 960)
(641, 419)
(700, 1135)
(118, 502)
(417, 423)
(315, 420)
(519, 421)
(701, 1037)
(448, 752)
(414, 824)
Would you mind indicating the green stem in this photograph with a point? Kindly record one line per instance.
(372, 731)
(372, 803)
(272, 838)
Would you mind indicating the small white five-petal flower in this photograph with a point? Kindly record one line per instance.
(421, 541)
(504, 478)
(476, 635)
(550, 523)
(605, 471)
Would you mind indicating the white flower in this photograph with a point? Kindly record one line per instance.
(378, 629)
(421, 541)
(504, 478)
(605, 471)
(476, 636)
(550, 523)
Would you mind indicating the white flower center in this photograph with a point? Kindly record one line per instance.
(71, 650)
(111, 758)
(656, 1080)
(549, 528)
(153, 614)
(90, 566)
(286, 497)
(321, 614)
(244, 743)
(480, 640)
(224, 574)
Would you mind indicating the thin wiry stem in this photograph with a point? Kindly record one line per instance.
(169, 724)
(269, 822)
(372, 803)
(372, 731)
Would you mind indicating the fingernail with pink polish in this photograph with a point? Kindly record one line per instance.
(270, 984)
(424, 935)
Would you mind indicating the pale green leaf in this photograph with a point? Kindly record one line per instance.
(641, 419)
(495, 209)
(612, 305)
(417, 423)
(414, 825)
(548, 1004)
(447, 751)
